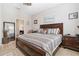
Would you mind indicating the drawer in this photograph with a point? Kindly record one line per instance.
(69, 42)
(66, 40)
(77, 44)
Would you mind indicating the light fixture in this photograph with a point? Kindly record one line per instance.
(27, 4)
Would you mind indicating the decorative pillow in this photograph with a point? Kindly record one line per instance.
(45, 31)
(40, 31)
(56, 30)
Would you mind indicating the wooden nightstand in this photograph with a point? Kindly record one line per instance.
(71, 42)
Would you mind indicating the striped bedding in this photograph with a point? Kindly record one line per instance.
(48, 42)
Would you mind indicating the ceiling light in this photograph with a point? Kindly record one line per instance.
(27, 4)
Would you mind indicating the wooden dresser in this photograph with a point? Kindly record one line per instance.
(71, 42)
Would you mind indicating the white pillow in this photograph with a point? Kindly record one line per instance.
(52, 31)
(56, 30)
(49, 31)
(44, 31)
(41, 31)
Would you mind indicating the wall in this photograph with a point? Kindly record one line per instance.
(1, 24)
(22, 15)
(60, 14)
(9, 13)
(19, 26)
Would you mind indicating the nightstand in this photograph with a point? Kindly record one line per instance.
(71, 42)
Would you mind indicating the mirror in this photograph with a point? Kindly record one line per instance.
(8, 32)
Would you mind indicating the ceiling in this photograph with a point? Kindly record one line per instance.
(36, 7)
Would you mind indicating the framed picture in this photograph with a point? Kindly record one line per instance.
(35, 22)
(73, 15)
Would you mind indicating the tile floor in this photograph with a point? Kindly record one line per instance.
(11, 50)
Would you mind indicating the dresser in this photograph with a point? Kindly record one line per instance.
(71, 42)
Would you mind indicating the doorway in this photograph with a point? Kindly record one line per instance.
(19, 27)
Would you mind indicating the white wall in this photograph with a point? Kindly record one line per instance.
(60, 14)
(22, 15)
(1, 31)
(19, 26)
(1, 24)
(9, 13)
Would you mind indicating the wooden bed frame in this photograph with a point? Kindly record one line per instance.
(29, 49)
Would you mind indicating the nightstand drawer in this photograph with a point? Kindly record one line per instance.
(71, 42)
(68, 40)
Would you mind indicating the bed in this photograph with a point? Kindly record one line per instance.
(36, 44)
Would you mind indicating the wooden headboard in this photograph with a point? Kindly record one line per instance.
(56, 25)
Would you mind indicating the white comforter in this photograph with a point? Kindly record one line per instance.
(48, 42)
